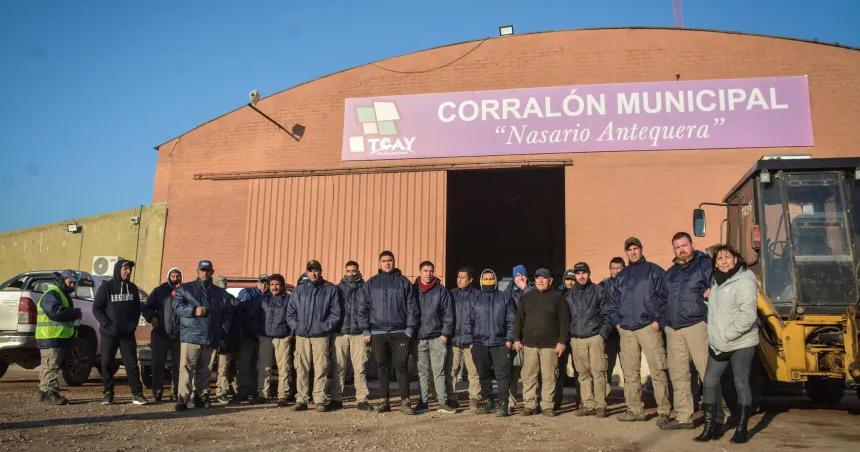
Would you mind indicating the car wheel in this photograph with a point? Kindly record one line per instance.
(78, 362)
(3, 367)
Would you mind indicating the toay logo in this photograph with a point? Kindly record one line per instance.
(379, 131)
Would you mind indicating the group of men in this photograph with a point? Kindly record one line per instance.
(525, 332)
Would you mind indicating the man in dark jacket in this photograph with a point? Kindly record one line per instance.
(541, 330)
(687, 282)
(313, 313)
(612, 344)
(434, 333)
(164, 338)
(56, 327)
(275, 338)
(389, 317)
(205, 313)
(247, 320)
(589, 326)
(463, 296)
(515, 291)
(224, 358)
(349, 344)
(490, 327)
(638, 299)
(117, 309)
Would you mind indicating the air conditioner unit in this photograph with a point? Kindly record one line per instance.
(103, 265)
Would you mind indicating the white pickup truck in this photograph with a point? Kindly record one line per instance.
(18, 298)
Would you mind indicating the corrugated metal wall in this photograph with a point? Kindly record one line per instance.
(337, 218)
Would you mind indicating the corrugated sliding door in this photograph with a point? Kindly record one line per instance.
(337, 218)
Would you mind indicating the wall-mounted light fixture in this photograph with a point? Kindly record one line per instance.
(298, 129)
(506, 30)
(74, 228)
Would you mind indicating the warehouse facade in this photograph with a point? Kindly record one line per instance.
(265, 188)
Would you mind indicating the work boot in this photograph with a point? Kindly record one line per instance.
(675, 425)
(321, 408)
(383, 407)
(629, 416)
(406, 407)
(453, 403)
(282, 403)
(300, 407)
(485, 408)
(107, 399)
(710, 412)
(473, 405)
(54, 398)
(364, 406)
(600, 412)
(741, 434)
(180, 405)
(662, 419)
(335, 405)
(548, 413)
(584, 412)
(502, 411)
(527, 412)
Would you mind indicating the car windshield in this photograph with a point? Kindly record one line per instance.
(806, 222)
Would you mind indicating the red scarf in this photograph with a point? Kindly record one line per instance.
(426, 287)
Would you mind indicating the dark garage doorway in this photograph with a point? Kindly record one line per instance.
(503, 217)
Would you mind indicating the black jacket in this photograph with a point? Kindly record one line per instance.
(491, 318)
(211, 329)
(117, 305)
(314, 309)
(158, 306)
(389, 304)
(437, 312)
(462, 300)
(53, 307)
(638, 296)
(589, 311)
(543, 319)
(514, 292)
(351, 293)
(272, 317)
(685, 292)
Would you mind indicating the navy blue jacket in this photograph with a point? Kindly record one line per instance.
(158, 306)
(589, 311)
(638, 296)
(53, 307)
(314, 309)
(249, 293)
(272, 315)
(514, 292)
(685, 292)
(437, 312)
(462, 300)
(491, 319)
(389, 304)
(211, 329)
(351, 293)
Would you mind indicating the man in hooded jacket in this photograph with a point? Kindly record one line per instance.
(117, 309)
(434, 335)
(348, 344)
(164, 338)
(56, 328)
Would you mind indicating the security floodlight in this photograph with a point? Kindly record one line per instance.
(506, 30)
(253, 97)
(764, 176)
(73, 228)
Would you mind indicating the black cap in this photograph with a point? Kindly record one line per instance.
(544, 272)
(314, 265)
(569, 274)
(581, 267)
(204, 265)
(632, 241)
(263, 278)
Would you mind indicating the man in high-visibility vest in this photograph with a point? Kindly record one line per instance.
(56, 317)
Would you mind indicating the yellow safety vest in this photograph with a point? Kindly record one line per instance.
(50, 329)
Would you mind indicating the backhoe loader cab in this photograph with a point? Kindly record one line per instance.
(796, 222)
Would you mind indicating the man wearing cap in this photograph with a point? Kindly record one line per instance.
(638, 300)
(349, 344)
(612, 344)
(541, 330)
(117, 308)
(389, 317)
(224, 358)
(687, 284)
(434, 335)
(569, 281)
(56, 324)
(590, 323)
(515, 291)
(463, 297)
(164, 338)
(276, 340)
(247, 319)
(313, 314)
(206, 313)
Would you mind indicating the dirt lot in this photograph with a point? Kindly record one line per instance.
(791, 423)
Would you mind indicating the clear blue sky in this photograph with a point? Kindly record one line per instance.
(87, 88)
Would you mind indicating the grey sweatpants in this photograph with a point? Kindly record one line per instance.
(434, 359)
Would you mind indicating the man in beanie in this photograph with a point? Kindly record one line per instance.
(317, 303)
(589, 326)
(57, 319)
(164, 338)
(463, 296)
(638, 300)
(515, 292)
(434, 335)
(541, 330)
(349, 344)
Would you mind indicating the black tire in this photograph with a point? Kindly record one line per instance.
(825, 391)
(146, 376)
(78, 361)
(3, 367)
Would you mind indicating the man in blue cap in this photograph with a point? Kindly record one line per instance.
(514, 292)
(56, 323)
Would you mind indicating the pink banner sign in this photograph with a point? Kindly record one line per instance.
(700, 114)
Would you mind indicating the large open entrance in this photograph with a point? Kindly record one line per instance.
(503, 217)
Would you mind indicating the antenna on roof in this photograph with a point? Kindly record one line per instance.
(679, 14)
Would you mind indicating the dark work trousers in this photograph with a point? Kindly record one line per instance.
(611, 347)
(161, 345)
(491, 360)
(392, 349)
(562, 376)
(246, 364)
(128, 349)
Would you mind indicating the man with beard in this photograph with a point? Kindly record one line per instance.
(436, 328)
(612, 344)
(164, 338)
(349, 344)
(463, 296)
(56, 324)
